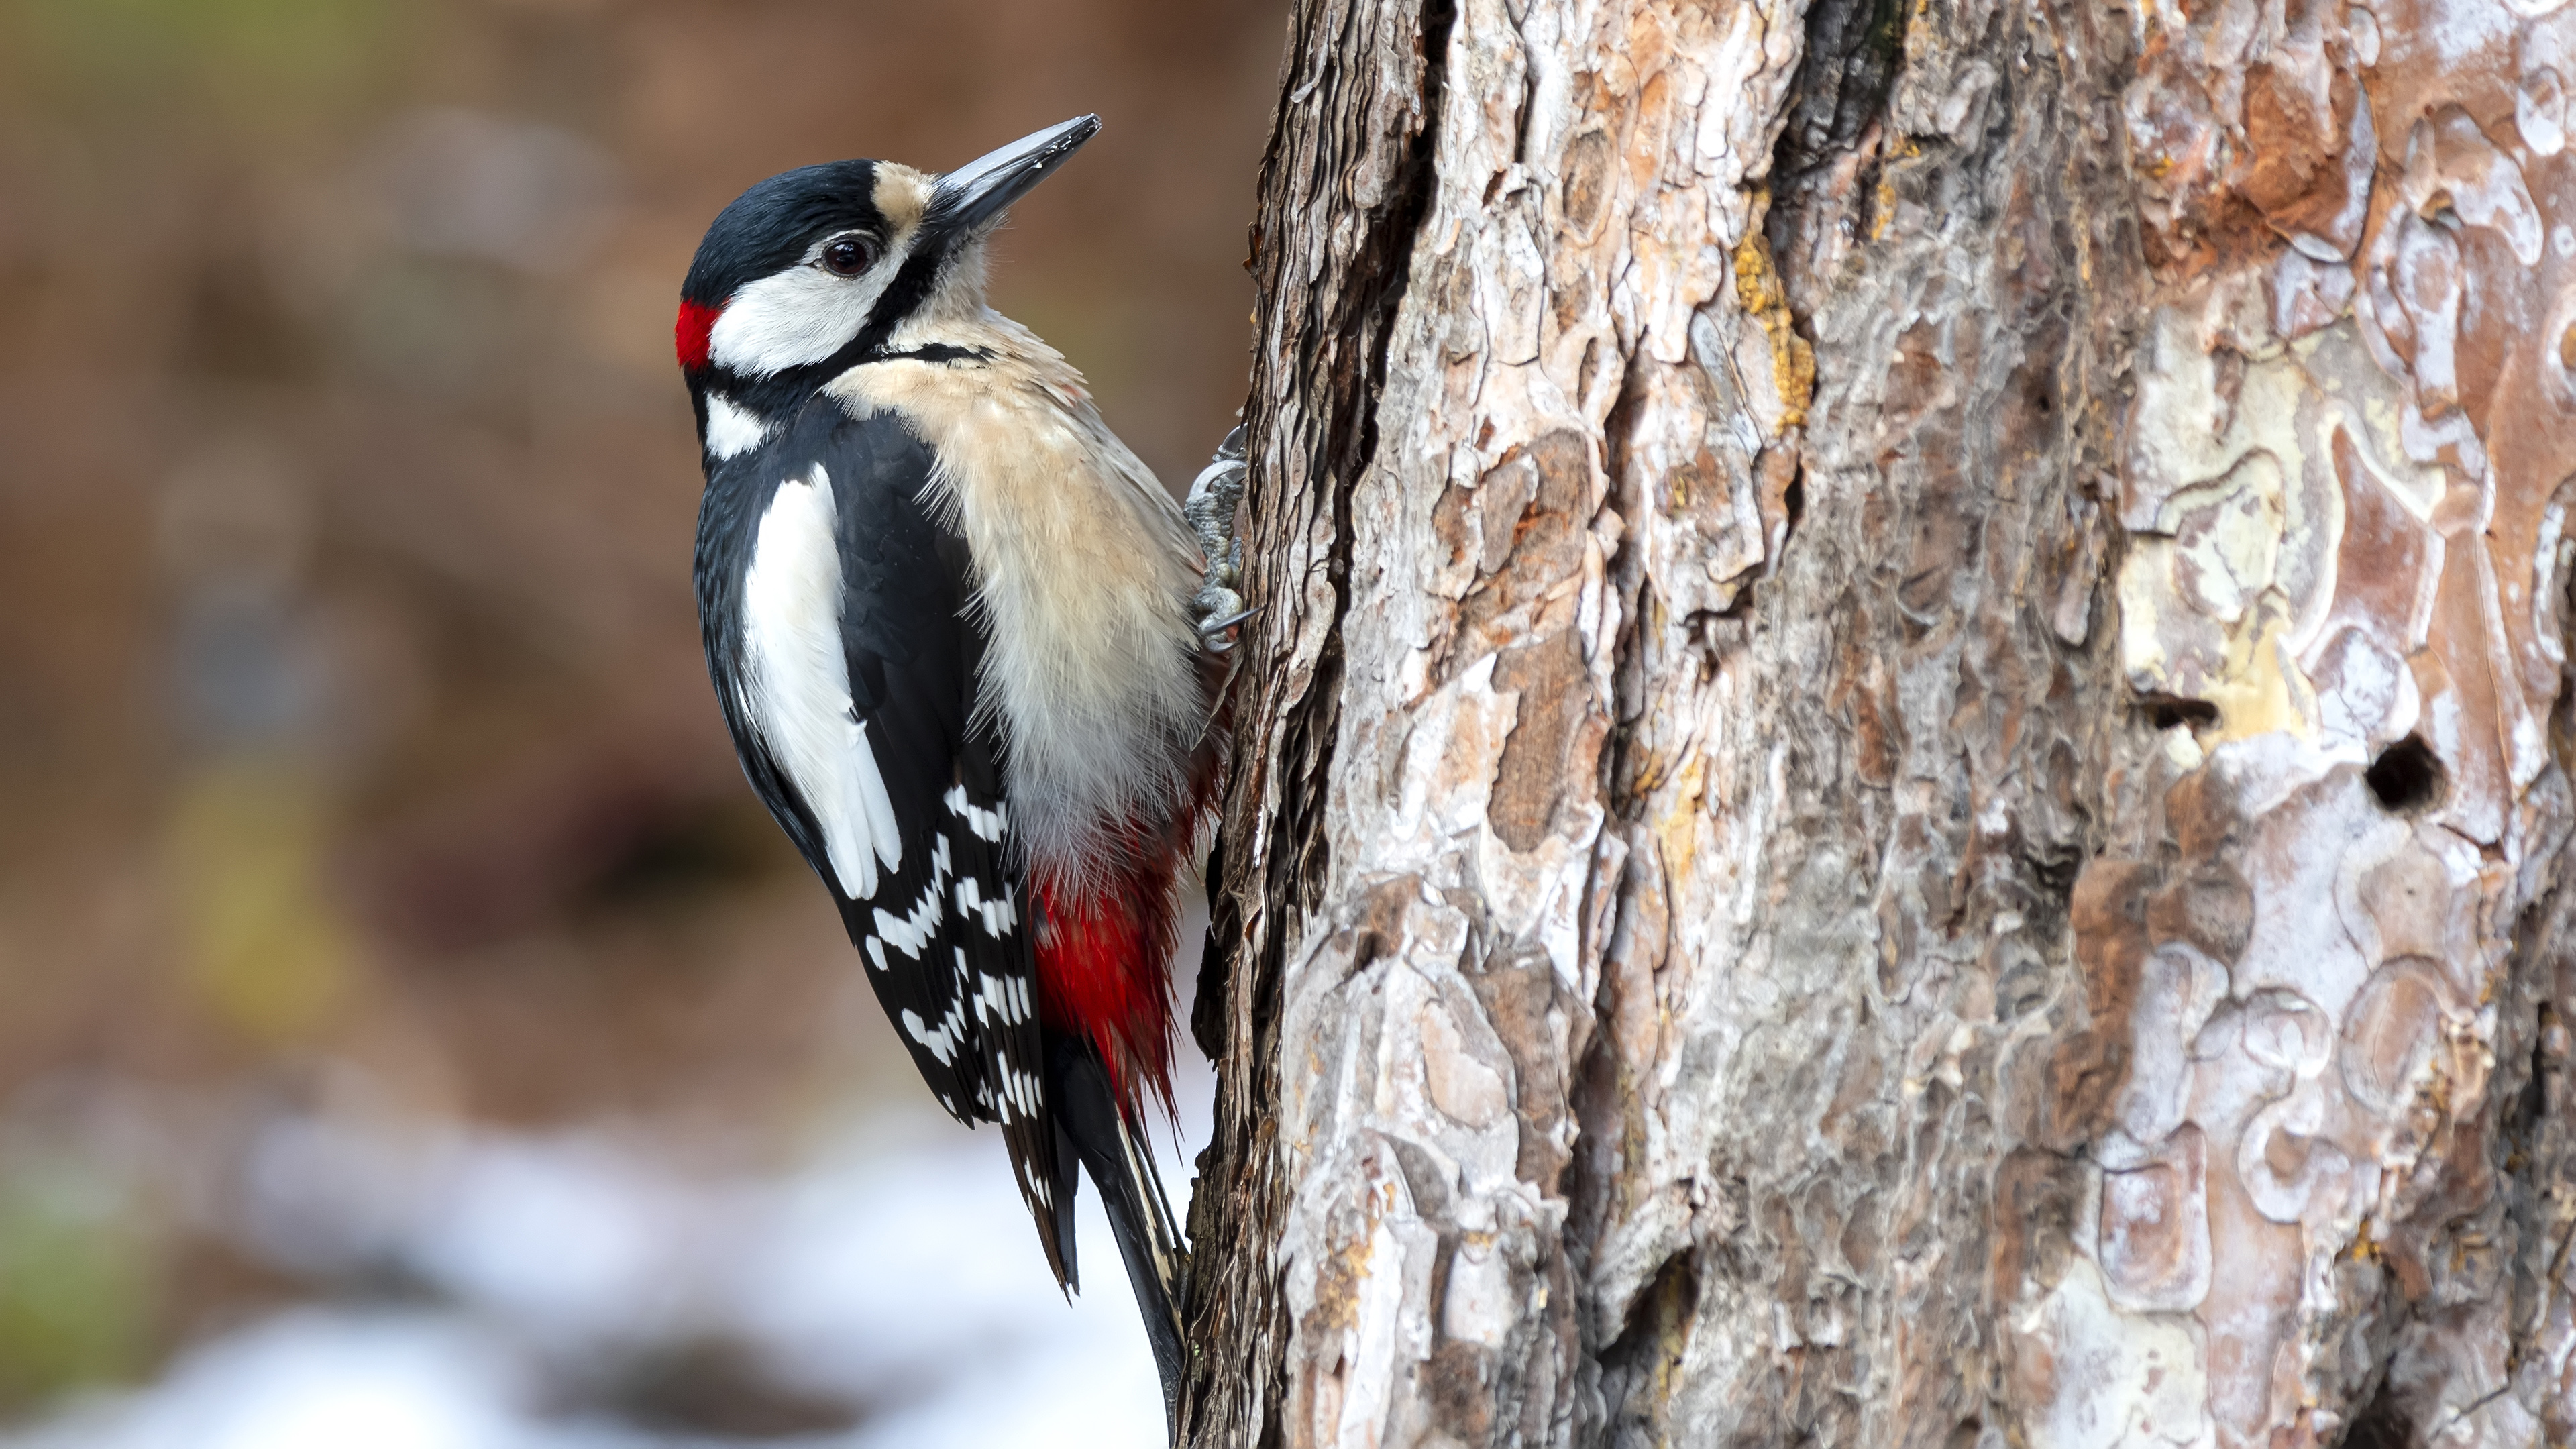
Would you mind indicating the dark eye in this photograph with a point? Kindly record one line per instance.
(847, 256)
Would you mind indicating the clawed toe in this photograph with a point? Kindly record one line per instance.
(1213, 498)
(1215, 623)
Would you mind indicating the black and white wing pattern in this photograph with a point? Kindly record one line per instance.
(844, 652)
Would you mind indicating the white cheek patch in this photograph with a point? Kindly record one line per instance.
(798, 683)
(799, 316)
(732, 430)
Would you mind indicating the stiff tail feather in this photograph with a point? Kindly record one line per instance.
(1091, 1128)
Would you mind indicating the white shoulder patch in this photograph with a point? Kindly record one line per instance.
(732, 429)
(798, 683)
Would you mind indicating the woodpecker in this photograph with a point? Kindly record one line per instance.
(969, 651)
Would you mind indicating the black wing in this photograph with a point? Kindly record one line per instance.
(945, 934)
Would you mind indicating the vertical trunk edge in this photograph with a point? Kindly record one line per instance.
(1312, 423)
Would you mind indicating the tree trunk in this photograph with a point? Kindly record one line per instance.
(1902, 781)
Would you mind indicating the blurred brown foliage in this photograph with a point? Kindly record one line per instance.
(351, 708)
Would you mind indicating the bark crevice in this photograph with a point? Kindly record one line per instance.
(1854, 50)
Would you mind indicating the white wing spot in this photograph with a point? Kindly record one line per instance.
(995, 998)
(911, 933)
(987, 824)
(943, 1042)
(997, 914)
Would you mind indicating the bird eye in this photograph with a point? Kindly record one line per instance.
(847, 256)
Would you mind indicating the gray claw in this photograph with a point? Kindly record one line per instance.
(1210, 510)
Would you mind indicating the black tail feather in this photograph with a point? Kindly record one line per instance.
(1089, 1126)
(1068, 1187)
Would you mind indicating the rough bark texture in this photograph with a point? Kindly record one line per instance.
(1904, 777)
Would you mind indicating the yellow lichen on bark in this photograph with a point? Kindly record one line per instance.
(1793, 361)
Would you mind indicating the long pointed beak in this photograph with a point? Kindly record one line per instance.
(970, 197)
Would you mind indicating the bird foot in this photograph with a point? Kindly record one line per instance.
(1210, 511)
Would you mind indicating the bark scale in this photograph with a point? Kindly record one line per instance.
(1904, 776)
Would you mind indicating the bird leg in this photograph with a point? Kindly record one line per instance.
(1210, 511)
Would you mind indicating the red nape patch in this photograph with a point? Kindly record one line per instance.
(690, 334)
(1105, 972)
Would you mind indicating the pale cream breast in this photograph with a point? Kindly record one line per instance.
(1085, 571)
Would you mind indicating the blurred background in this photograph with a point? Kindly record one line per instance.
(412, 1033)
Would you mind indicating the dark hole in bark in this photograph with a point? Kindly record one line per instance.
(2522, 1119)
(2164, 711)
(1652, 1338)
(2383, 1425)
(2039, 389)
(2407, 776)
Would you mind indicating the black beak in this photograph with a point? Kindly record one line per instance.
(969, 198)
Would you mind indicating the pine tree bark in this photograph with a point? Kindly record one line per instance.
(1904, 779)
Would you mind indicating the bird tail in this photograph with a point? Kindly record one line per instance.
(1091, 1127)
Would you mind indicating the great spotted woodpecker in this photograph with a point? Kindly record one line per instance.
(969, 655)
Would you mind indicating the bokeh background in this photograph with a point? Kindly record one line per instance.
(411, 1031)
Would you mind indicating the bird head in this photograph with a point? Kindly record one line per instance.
(820, 268)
